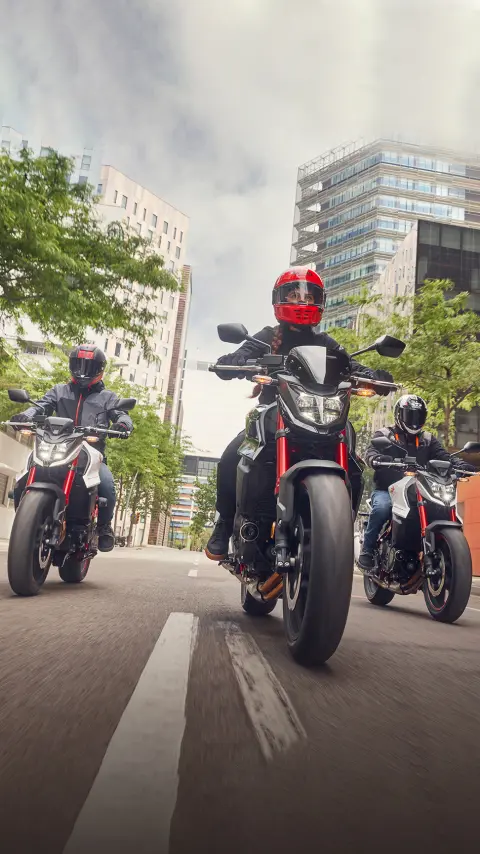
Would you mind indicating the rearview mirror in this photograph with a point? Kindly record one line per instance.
(389, 347)
(232, 333)
(471, 448)
(126, 404)
(18, 395)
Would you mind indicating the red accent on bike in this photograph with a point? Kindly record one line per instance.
(422, 513)
(342, 452)
(78, 409)
(283, 461)
(85, 354)
(31, 475)
(68, 482)
(453, 514)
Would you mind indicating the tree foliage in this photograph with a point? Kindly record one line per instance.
(441, 361)
(60, 267)
(205, 500)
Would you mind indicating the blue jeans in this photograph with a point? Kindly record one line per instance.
(106, 489)
(381, 512)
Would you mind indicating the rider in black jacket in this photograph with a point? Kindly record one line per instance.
(298, 300)
(87, 402)
(410, 416)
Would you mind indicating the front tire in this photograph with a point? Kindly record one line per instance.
(447, 597)
(316, 597)
(28, 558)
(74, 571)
(253, 607)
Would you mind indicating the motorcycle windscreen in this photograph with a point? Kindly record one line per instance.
(317, 367)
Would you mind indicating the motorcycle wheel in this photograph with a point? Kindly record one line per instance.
(446, 598)
(316, 595)
(253, 607)
(375, 594)
(74, 571)
(29, 558)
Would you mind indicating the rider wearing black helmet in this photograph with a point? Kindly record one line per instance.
(410, 415)
(87, 402)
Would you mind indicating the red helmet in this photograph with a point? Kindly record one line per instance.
(299, 297)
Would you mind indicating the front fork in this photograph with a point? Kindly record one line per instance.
(428, 540)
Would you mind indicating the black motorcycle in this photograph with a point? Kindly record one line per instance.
(299, 485)
(423, 546)
(56, 520)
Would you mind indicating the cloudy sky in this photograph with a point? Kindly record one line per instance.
(213, 104)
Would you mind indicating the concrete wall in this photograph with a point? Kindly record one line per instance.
(13, 457)
(469, 510)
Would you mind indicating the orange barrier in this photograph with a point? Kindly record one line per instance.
(469, 510)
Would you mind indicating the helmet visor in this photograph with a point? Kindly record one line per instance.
(413, 416)
(85, 368)
(299, 293)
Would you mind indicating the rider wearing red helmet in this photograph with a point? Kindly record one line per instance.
(298, 302)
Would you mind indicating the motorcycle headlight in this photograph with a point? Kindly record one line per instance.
(443, 491)
(318, 409)
(45, 451)
(50, 454)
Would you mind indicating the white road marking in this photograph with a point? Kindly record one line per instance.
(130, 804)
(473, 609)
(193, 573)
(274, 719)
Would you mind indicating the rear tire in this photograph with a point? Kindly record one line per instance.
(375, 594)
(253, 607)
(74, 571)
(316, 597)
(29, 561)
(451, 542)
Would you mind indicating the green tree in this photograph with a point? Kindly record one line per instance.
(205, 500)
(60, 267)
(441, 361)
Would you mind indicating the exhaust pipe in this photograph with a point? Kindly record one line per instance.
(249, 532)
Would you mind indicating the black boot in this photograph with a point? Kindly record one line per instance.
(365, 561)
(106, 538)
(217, 546)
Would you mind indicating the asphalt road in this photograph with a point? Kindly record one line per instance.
(143, 712)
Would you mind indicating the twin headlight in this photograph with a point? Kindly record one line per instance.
(444, 492)
(48, 454)
(320, 410)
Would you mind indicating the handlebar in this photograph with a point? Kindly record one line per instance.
(401, 464)
(29, 425)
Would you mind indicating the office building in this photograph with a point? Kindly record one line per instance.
(195, 469)
(355, 204)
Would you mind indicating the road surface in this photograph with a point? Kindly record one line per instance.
(143, 712)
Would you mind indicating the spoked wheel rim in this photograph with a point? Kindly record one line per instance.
(43, 552)
(370, 586)
(295, 587)
(439, 587)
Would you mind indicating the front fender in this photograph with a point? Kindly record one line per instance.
(435, 526)
(286, 493)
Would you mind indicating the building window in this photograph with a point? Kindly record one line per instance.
(82, 180)
(145, 379)
(174, 233)
(128, 222)
(154, 220)
(168, 246)
(115, 197)
(150, 235)
(177, 252)
(165, 227)
(99, 189)
(106, 345)
(124, 202)
(139, 227)
(135, 208)
(121, 372)
(181, 237)
(165, 351)
(144, 214)
(171, 302)
(139, 357)
(118, 348)
(132, 376)
(44, 151)
(171, 266)
(86, 162)
(160, 242)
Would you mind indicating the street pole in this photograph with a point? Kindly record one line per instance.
(128, 502)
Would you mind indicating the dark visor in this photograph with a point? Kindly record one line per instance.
(299, 293)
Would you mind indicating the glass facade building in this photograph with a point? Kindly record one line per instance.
(354, 206)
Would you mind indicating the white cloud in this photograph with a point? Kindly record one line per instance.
(214, 104)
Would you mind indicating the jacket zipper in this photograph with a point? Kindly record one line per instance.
(80, 399)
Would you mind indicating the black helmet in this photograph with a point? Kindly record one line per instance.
(87, 364)
(410, 413)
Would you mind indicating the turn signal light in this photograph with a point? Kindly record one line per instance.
(261, 380)
(92, 439)
(364, 392)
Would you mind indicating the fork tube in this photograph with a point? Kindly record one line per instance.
(283, 454)
(342, 452)
(68, 483)
(422, 512)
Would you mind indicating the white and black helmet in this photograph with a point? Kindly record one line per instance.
(410, 413)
